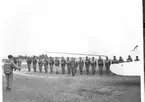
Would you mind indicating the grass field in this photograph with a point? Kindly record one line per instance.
(41, 87)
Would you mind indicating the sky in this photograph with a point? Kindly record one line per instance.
(109, 27)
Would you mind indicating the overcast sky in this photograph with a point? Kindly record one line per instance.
(110, 27)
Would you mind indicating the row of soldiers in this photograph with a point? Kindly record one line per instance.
(72, 64)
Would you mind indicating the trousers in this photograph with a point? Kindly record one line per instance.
(9, 79)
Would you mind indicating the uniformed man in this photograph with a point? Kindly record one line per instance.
(34, 63)
(29, 63)
(72, 62)
(114, 61)
(63, 63)
(100, 65)
(40, 63)
(68, 65)
(56, 62)
(8, 67)
(76, 66)
(45, 65)
(87, 65)
(81, 65)
(51, 63)
(129, 59)
(120, 60)
(137, 59)
(107, 65)
(19, 63)
(93, 65)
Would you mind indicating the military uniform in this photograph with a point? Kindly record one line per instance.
(63, 63)
(81, 65)
(40, 63)
(34, 64)
(107, 65)
(87, 65)
(72, 62)
(100, 65)
(68, 65)
(56, 62)
(76, 66)
(93, 65)
(9, 77)
(114, 61)
(137, 59)
(45, 65)
(51, 63)
(120, 60)
(129, 59)
(29, 64)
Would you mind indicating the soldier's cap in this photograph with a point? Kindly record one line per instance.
(10, 56)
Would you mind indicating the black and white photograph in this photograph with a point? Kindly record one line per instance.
(72, 51)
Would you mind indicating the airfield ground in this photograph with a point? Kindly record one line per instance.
(41, 87)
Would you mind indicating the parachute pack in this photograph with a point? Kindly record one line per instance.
(7, 68)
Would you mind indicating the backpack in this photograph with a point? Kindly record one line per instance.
(7, 68)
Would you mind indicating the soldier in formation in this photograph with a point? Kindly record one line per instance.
(81, 65)
(56, 62)
(72, 66)
(100, 65)
(68, 65)
(29, 63)
(51, 63)
(63, 63)
(107, 65)
(34, 61)
(87, 65)
(93, 65)
(129, 59)
(40, 63)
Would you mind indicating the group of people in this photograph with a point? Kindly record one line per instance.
(72, 64)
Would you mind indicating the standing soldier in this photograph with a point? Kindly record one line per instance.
(107, 65)
(56, 62)
(93, 65)
(114, 61)
(120, 60)
(137, 59)
(129, 59)
(76, 66)
(100, 65)
(29, 63)
(63, 63)
(81, 65)
(19, 63)
(51, 63)
(68, 65)
(72, 62)
(45, 65)
(40, 63)
(8, 67)
(87, 65)
(34, 63)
